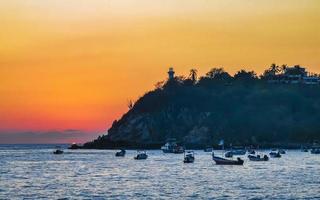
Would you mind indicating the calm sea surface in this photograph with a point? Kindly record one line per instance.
(33, 172)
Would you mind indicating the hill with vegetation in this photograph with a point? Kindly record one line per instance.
(243, 109)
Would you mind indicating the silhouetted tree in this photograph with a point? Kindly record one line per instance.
(244, 75)
(193, 75)
(159, 85)
(283, 68)
(214, 72)
(130, 104)
(274, 69)
(218, 74)
(271, 72)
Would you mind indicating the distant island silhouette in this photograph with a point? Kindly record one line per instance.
(279, 107)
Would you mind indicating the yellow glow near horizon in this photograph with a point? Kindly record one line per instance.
(74, 64)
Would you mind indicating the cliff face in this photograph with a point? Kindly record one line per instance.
(199, 115)
(151, 128)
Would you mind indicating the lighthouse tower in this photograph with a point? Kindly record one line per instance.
(171, 73)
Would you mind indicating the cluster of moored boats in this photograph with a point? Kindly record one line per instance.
(189, 157)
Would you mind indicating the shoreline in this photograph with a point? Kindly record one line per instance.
(293, 146)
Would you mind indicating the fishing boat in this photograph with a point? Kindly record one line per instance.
(315, 148)
(258, 158)
(223, 161)
(281, 151)
(189, 157)
(251, 151)
(141, 155)
(274, 154)
(74, 146)
(315, 151)
(58, 151)
(121, 153)
(208, 149)
(178, 150)
(172, 147)
(235, 152)
(304, 149)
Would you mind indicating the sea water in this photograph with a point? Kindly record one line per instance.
(34, 172)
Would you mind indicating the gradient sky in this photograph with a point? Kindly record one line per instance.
(68, 68)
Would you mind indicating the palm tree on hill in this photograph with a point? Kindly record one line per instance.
(274, 69)
(283, 68)
(193, 75)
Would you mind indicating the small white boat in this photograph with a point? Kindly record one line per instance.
(281, 151)
(172, 147)
(189, 157)
(223, 161)
(258, 158)
(315, 151)
(141, 155)
(58, 151)
(121, 153)
(274, 154)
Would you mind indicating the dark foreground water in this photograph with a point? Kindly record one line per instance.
(33, 172)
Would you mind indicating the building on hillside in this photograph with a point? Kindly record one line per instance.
(311, 80)
(295, 75)
(171, 73)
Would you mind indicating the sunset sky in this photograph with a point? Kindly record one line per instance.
(68, 67)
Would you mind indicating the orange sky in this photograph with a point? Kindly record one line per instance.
(74, 64)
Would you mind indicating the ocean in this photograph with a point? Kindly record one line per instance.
(34, 172)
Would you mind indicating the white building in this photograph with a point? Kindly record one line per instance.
(295, 75)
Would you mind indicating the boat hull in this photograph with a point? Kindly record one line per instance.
(222, 161)
(275, 155)
(282, 151)
(176, 151)
(188, 160)
(257, 158)
(58, 152)
(141, 157)
(120, 154)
